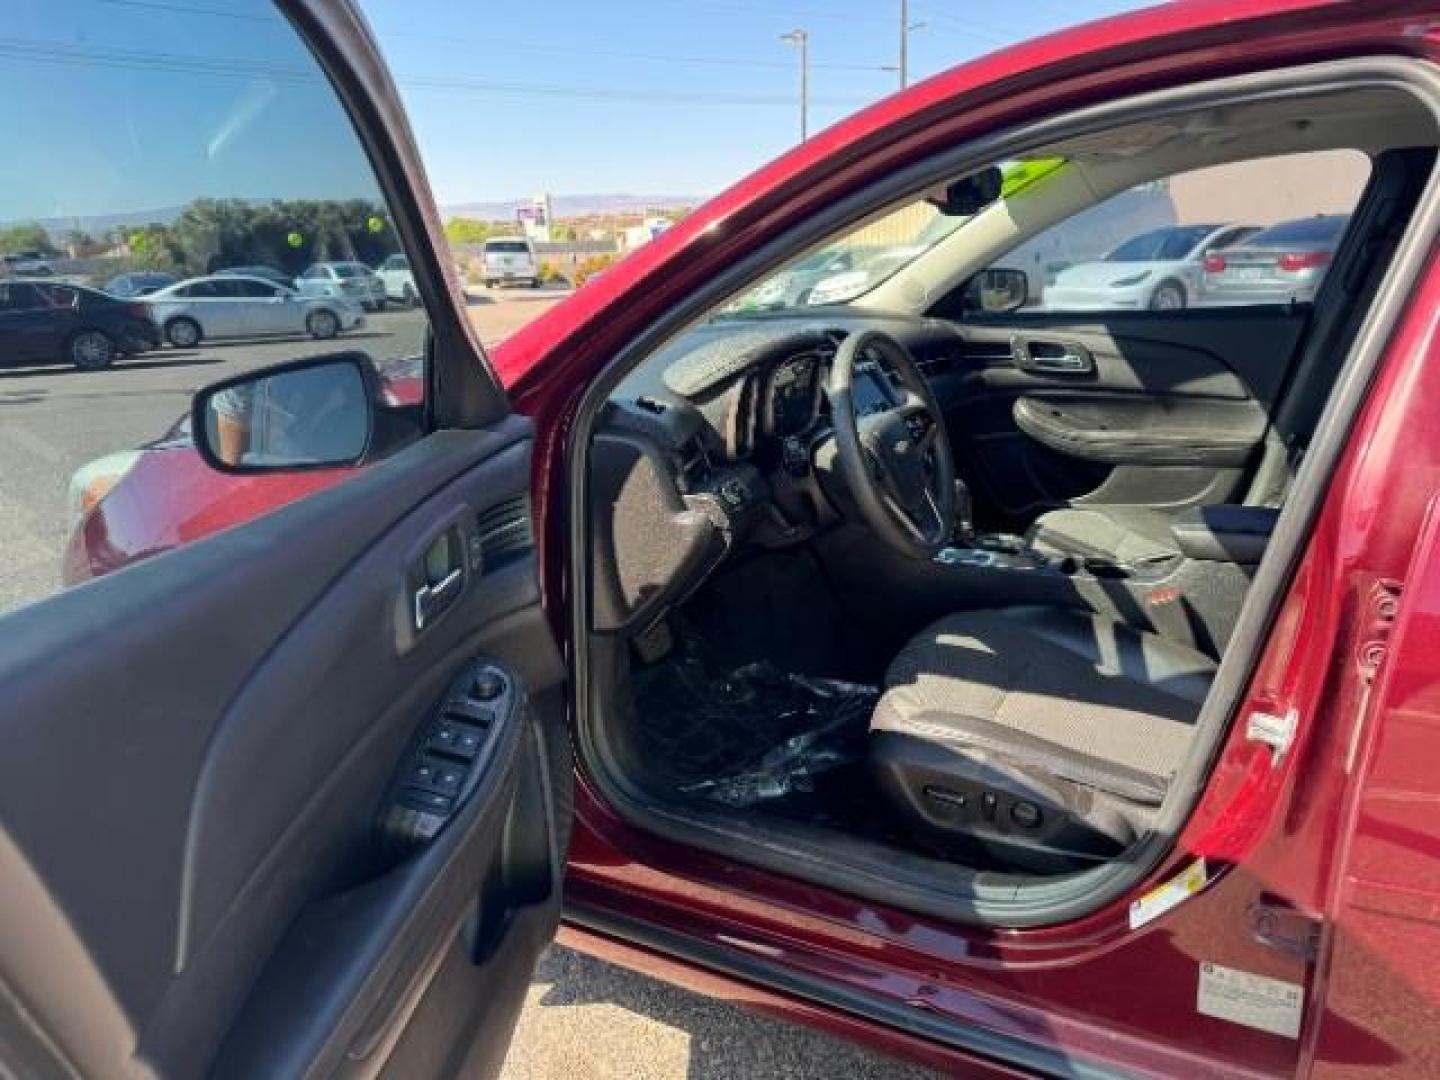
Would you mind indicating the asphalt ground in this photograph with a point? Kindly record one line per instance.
(583, 1018)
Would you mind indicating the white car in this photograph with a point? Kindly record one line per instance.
(230, 306)
(394, 273)
(1158, 270)
(509, 260)
(344, 281)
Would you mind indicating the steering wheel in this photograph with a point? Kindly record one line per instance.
(897, 461)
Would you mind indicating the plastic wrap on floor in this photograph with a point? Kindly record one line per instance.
(753, 735)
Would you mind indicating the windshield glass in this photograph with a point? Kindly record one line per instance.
(854, 264)
(507, 247)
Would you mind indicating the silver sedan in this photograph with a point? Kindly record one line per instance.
(234, 307)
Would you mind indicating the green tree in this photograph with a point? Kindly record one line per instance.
(462, 230)
(31, 237)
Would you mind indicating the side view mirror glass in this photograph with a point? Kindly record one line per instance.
(308, 414)
(997, 290)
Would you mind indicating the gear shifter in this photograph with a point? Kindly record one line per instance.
(964, 535)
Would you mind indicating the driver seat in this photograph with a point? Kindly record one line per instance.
(1045, 738)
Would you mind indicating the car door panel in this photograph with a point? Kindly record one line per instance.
(227, 759)
(1051, 409)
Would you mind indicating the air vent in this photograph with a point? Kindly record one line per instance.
(695, 469)
(505, 531)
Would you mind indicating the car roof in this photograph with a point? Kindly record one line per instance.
(224, 277)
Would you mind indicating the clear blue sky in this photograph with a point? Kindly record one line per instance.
(659, 96)
(127, 105)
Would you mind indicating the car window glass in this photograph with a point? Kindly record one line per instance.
(1193, 239)
(180, 139)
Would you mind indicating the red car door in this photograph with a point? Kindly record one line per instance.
(293, 800)
(1217, 964)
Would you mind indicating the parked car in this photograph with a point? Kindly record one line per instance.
(26, 264)
(44, 321)
(259, 270)
(669, 633)
(343, 280)
(139, 283)
(229, 306)
(399, 282)
(509, 260)
(1160, 270)
(1285, 263)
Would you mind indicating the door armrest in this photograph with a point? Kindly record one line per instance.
(1225, 533)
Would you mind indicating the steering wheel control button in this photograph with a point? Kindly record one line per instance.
(733, 492)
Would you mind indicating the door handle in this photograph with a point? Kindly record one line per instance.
(1052, 357)
(431, 600)
(1066, 361)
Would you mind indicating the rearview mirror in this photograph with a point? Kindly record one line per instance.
(997, 290)
(970, 194)
(316, 413)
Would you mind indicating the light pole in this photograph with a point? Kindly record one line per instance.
(905, 27)
(802, 39)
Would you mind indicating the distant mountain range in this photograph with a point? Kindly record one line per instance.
(566, 206)
(500, 210)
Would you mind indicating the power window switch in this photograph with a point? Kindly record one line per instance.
(442, 777)
(430, 802)
(458, 740)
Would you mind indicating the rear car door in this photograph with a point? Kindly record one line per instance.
(291, 799)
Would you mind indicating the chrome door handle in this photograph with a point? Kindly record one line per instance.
(431, 600)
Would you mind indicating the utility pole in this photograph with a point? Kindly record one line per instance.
(905, 27)
(904, 43)
(801, 39)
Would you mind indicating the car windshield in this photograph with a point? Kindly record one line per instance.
(348, 270)
(1161, 245)
(847, 268)
(507, 247)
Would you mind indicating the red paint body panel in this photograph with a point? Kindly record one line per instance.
(1094, 989)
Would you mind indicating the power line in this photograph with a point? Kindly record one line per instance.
(176, 63)
(526, 46)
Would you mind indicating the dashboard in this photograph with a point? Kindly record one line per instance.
(720, 441)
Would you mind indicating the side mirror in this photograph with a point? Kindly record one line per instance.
(317, 413)
(997, 290)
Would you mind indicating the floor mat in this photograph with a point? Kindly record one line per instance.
(756, 736)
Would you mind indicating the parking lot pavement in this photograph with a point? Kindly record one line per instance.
(588, 1020)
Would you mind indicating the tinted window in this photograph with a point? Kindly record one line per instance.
(165, 138)
(252, 288)
(348, 271)
(508, 247)
(21, 297)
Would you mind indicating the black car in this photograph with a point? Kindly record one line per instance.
(139, 283)
(47, 321)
